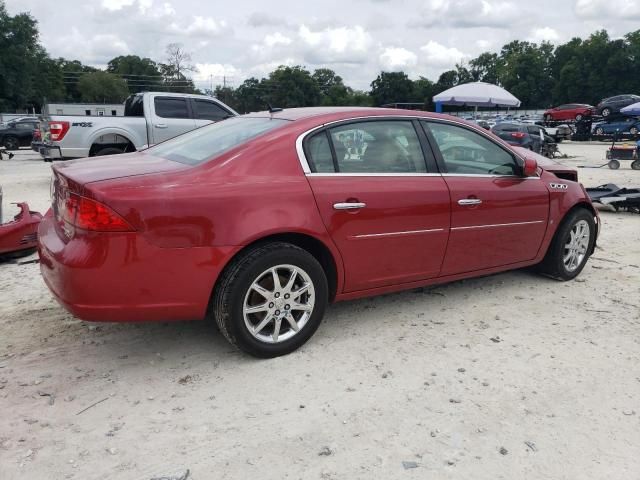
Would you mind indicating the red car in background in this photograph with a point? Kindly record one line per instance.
(570, 111)
(261, 220)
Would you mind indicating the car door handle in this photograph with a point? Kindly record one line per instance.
(160, 125)
(349, 205)
(469, 201)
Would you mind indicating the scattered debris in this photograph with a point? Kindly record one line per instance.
(503, 451)
(325, 452)
(408, 464)
(532, 446)
(184, 476)
(496, 339)
(462, 370)
(52, 397)
(93, 405)
(186, 379)
(628, 412)
(455, 400)
(111, 451)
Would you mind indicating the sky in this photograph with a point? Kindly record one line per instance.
(355, 38)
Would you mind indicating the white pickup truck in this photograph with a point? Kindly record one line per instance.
(149, 118)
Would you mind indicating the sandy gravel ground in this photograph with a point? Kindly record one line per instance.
(507, 377)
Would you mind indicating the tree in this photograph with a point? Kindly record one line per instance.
(423, 92)
(485, 68)
(141, 74)
(174, 71)
(289, 87)
(102, 87)
(72, 70)
(391, 87)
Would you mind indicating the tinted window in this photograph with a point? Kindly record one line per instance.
(133, 106)
(381, 146)
(467, 152)
(167, 107)
(210, 141)
(25, 126)
(318, 153)
(506, 127)
(206, 110)
(534, 130)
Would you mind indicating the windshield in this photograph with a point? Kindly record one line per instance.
(208, 142)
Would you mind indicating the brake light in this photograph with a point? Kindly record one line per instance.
(88, 214)
(518, 134)
(58, 130)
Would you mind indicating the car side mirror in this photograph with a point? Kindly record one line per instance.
(530, 167)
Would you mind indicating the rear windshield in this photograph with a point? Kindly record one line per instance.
(208, 142)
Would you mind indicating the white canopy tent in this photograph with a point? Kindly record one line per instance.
(476, 94)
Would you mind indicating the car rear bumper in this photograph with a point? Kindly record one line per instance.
(51, 151)
(120, 277)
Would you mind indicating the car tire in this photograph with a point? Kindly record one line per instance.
(614, 164)
(250, 323)
(570, 248)
(579, 117)
(606, 112)
(633, 130)
(635, 164)
(108, 151)
(11, 143)
(599, 131)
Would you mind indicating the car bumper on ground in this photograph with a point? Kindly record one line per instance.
(118, 277)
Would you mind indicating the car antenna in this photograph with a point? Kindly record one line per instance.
(273, 109)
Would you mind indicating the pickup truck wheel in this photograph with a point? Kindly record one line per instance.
(633, 130)
(571, 246)
(109, 151)
(11, 143)
(271, 300)
(578, 117)
(606, 112)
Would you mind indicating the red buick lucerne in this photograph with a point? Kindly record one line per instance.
(262, 220)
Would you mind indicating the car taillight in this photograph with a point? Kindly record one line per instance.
(518, 134)
(58, 130)
(88, 214)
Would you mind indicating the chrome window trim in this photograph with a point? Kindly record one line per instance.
(307, 169)
(354, 174)
(498, 225)
(393, 234)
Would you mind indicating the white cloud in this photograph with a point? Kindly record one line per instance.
(393, 59)
(216, 71)
(199, 26)
(468, 14)
(483, 44)
(336, 45)
(544, 34)
(601, 9)
(276, 39)
(438, 55)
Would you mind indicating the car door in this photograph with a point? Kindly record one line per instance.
(387, 213)
(498, 217)
(170, 117)
(207, 111)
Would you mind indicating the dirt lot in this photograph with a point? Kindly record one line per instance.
(510, 376)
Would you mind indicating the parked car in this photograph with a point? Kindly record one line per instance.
(261, 220)
(149, 118)
(613, 105)
(522, 135)
(19, 133)
(628, 125)
(569, 111)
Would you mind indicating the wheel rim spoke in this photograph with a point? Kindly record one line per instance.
(262, 324)
(292, 322)
(257, 309)
(291, 281)
(276, 280)
(300, 291)
(262, 291)
(301, 307)
(276, 329)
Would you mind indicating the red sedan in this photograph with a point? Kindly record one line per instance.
(570, 112)
(262, 220)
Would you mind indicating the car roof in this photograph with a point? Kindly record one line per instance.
(338, 113)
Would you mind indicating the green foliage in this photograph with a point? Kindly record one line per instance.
(391, 87)
(141, 74)
(102, 87)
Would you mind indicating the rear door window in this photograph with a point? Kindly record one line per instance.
(171, 107)
(318, 151)
(379, 146)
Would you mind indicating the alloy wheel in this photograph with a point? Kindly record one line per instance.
(11, 143)
(575, 249)
(279, 303)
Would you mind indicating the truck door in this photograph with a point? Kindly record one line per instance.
(169, 117)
